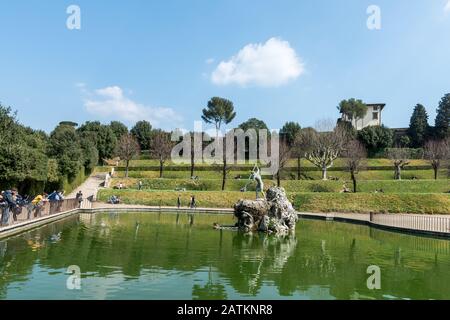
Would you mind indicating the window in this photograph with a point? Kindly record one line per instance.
(375, 108)
(375, 116)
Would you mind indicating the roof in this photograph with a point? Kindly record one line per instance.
(381, 105)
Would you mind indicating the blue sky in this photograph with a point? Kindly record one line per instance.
(276, 60)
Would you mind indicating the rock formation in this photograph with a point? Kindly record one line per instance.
(274, 214)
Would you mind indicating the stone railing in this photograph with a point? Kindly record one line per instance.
(32, 212)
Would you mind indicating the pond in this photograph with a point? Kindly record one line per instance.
(170, 256)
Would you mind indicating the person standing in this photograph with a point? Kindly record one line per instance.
(4, 208)
(140, 185)
(10, 205)
(193, 204)
(178, 202)
(79, 197)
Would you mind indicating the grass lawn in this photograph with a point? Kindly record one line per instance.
(308, 202)
(311, 175)
(370, 202)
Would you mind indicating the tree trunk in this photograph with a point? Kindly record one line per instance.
(435, 168)
(224, 174)
(278, 179)
(324, 173)
(354, 181)
(298, 167)
(160, 169)
(192, 165)
(398, 173)
(126, 169)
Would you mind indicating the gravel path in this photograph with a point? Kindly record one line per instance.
(90, 186)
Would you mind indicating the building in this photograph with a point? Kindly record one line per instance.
(372, 118)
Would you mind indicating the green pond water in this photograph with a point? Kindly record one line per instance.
(165, 256)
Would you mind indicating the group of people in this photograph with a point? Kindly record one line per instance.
(11, 202)
(192, 202)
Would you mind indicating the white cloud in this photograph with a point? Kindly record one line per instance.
(111, 103)
(447, 7)
(269, 64)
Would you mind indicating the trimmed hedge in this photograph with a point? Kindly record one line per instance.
(247, 168)
(387, 186)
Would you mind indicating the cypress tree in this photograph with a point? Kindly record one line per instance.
(418, 126)
(442, 122)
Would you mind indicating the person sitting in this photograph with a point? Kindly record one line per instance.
(345, 189)
(114, 200)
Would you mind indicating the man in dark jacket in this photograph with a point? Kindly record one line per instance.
(4, 207)
(10, 205)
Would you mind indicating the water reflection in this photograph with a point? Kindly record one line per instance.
(155, 256)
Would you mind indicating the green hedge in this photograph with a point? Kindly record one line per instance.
(388, 186)
(247, 168)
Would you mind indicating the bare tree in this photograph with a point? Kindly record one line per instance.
(400, 158)
(284, 156)
(355, 154)
(327, 143)
(301, 145)
(127, 149)
(436, 151)
(160, 148)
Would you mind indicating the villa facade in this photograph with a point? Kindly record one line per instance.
(373, 117)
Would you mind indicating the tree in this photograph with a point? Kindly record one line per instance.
(302, 145)
(283, 158)
(142, 131)
(218, 111)
(352, 109)
(118, 128)
(64, 146)
(289, 132)
(400, 158)
(376, 138)
(442, 122)
(102, 135)
(8, 125)
(253, 123)
(89, 150)
(355, 154)
(405, 142)
(256, 125)
(327, 143)
(436, 151)
(160, 148)
(418, 126)
(127, 149)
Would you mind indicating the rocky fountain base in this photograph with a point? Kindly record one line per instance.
(274, 214)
